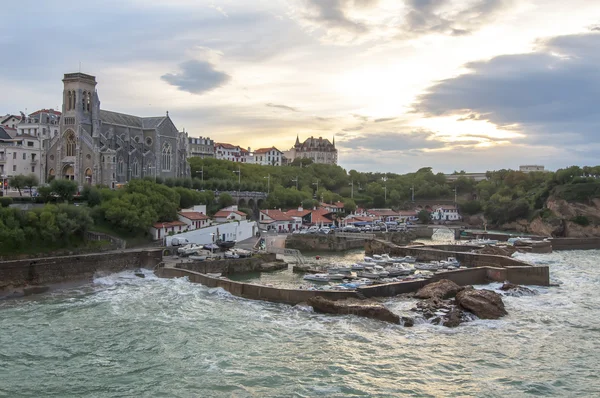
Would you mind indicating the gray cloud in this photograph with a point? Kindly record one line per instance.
(385, 119)
(285, 107)
(333, 13)
(449, 16)
(396, 142)
(196, 77)
(541, 92)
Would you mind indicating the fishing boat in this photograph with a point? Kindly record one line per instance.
(231, 254)
(374, 272)
(432, 266)
(357, 267)
(200, 255)
(225, 244)
(339, 270)
(373, 260)
(337, 277)
(317, 277)
(450, 263)
(398, 269)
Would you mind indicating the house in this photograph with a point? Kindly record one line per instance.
(193, 219)
(302, 214)
(268, 156)
(407, 215)
(446, 213)
(226, 215)
(19, 154)
(232, 153)
(384, 215)
(161, 229)
(321, 217)
(318, 149)
(354, 219)
(337, 207)
(276, 220)
(10, 121)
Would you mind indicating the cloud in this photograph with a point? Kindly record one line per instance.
(333, 13)
(551, 93)
(285, 107)
(394, 142)
(197, 77)
(384, 119)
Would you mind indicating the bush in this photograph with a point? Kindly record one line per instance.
(5, 201)
(581, 220)
(470, 207)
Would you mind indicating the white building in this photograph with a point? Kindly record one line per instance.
(193, 219)
(276, 220)
(237, 231)
(20, 155)
(529, 168)
(201, 147)
(446, 213)
(227, 215)
(43, 124)
(232, 153)
(10, 121)
(268, 156)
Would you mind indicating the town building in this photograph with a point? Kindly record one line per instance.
(445, 213)
(19, 154)
(227, 215)
(193, 219)
(337, 207)
(268, 156)
(201, 147)
(10, 121)
(233, 153)
(320, 150)
(278, 221)
(95, 146)
(383, 215)
(530, 168)
(473, 176)
(160, 230)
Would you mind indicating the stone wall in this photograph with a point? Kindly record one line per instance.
(252, 291)
(50, 270)
(321, 243)
(229, 266)
(575, 243)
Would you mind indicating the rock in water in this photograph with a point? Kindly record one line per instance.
(453, 318)
(486, 304)
(517, 291)
(366, 308)
(408, 321)
(442, 289)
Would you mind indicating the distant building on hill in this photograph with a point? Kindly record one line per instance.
(201, 147)
(233, 153)
(268, 156)
(320, 150)
(529, 168)
(473, 176)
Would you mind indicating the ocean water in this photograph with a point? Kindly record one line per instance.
(123, 336)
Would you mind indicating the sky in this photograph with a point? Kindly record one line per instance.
(470, 85)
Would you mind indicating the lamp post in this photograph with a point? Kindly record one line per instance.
(412, 192)
(268, 177)
(455, 190)
(239, 173)
(317, 184)
(384, 179)
(201, 172)
(352, 189)
(296, 181)
(153, 171)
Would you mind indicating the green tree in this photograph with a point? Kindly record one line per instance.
(31, 181)
(18, 182)
(225, 200)
(349, 205)
(65, 189)
(424, 216)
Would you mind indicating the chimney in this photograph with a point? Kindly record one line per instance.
(300, 208)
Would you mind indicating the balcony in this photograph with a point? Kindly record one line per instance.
(2, 159)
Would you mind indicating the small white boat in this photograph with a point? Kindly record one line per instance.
(450, 263)
(339, 270)
(230, 254)
(242, 252)
(398, 269)
(358, 267)
(373, 260)
(188, 249)
(337, 277)
(376, 272)
(317, 277)
(432, 266)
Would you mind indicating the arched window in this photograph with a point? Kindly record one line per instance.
(120, 166)
(70, 145)
(74, 100)
(166, 157)
(89, 101)
(83, 100)
(135, 169)
(69, 99)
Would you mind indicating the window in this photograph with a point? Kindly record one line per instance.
(33, 169)
(14, 167)
(33, 157)
(70, 144)
(166, 157)
(29, 143)
(148, 141)
(135, 170)
(69, 99)
(120, 166)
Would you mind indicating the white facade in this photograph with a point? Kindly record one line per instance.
(446, 214)
(531, 168)
(43, 124)
(237, 231)
(10, 121)
(201, 147)
(20, 155)
(232, 153)
(268, 156)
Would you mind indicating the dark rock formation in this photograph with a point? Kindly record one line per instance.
(486, 304)
(511, 289)
(453, 318)
(408, 321)
(365, 308)
(442, 289)
(267, 267)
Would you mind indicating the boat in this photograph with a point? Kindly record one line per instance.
(230, 254)
(225, 244)
(339, 270)
(409, 259)
(317, 277)
(211, 247)
(373, 260)
(450, 263)
(358, 267)
(188, 249)
(242, 253)
(337, 277)
(200, 255)
(432, 266)
(398, 269)
(375, 272)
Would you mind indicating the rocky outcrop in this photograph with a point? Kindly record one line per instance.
(364, 308)
(485, 304)
(510, 289)
(442, 312)
(442, 289)
(498, 250)
(454, 317)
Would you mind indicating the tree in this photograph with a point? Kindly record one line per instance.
(308, 204)
(65, 189)
(225, 200)
(18, 182)
(31, 181)
(424, 216)
(349, 205)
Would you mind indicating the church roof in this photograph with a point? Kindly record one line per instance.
(316, 143)
(123, 119)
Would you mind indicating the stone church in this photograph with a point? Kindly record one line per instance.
(95, 146)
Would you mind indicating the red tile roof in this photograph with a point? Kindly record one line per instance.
(193, 215)
(276, 215)
(318, 216)
(227, 213)
(297, 213)
(226, 146)
(265, 150)
(168, 224)
(382, 212)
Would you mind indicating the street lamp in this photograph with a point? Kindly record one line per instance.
(352, 189)
(384, 179)
(317, 184)
(153, 171)
(296, 181)
(268, 177)
(412, 191)
(239, 173)
(201, 172)
(455, 190)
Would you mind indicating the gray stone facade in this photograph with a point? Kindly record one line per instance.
(95, 146)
